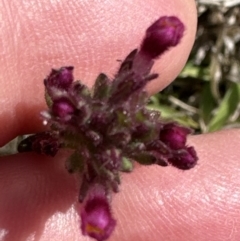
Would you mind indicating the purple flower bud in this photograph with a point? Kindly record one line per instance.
(185, 159)
(97, 221)
(43, 143)
(62, 108)
(61, 78)
(166, 32)
(174, 136)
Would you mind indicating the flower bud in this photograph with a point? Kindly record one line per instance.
(62, 107)
(174, 136)
(42, 143)
(185, 159)
(166, 32)
(97, 221)
(61, 78)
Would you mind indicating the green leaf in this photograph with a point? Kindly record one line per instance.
(207, 104)
(101, 87)
(191, 70)
(48, 99)
(169, 113)
(144, 158)
(126, 165)
(226, 108)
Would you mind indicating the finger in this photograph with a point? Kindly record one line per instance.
(154, 203)
(89, 35)
(196, 205)
(34, 190)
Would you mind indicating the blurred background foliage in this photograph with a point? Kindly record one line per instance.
(206, 95)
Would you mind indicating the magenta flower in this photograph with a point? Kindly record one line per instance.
(166, 32)
(62, 108)
(96, 217)
(60, 78)
(163, 34)
(184, 159)
(174, 136)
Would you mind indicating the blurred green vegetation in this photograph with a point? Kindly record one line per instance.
(206, 95)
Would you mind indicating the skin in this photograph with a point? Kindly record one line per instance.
(38, 197)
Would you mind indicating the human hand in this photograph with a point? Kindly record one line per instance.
(38, 196)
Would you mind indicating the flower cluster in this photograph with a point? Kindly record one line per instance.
(109, 127)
